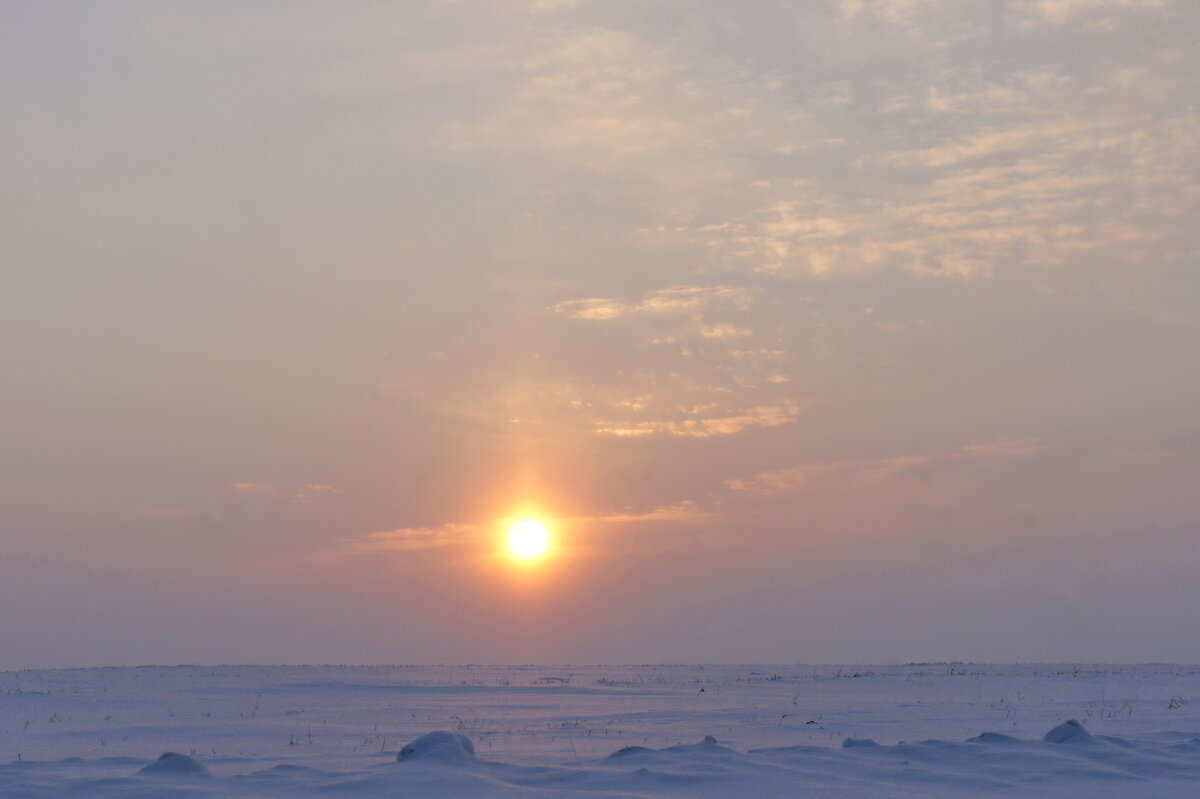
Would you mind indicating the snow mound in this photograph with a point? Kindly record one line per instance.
(626, 751)
(993, 738)
(1069, 732)
(447, 747)
(174, 763)
(708, 747)
(851, 743)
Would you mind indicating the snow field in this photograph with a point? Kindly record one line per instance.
(917, 730)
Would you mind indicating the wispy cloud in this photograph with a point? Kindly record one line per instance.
(902, 13)
(674, 300)
(300, 495)
(701, 422)
(418, 539)
(796, 478)
(679, 513)
(415, 539)
(1059, 11)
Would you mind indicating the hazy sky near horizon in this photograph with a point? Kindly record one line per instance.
(818, 331)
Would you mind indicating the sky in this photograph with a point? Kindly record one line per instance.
(818, 332)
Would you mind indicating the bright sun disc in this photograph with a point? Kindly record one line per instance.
(528, 538)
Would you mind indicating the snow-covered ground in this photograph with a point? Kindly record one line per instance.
(685, 731)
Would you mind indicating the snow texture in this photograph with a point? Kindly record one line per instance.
(601, 732)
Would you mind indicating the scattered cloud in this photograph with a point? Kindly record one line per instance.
(698, 369)
(1042, 169)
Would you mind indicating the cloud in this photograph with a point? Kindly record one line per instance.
(264, 489)
(796, 478)
(169, 512)
(753, 166)
(697, 368)
(674, 300)
(1059, 11)
(1041, 169)
(901, 13)
(415, 539)
(302, 495)
(725, 331)
(699, 423)
(679, 512)
(590, 95)
(552, 6)
(418, 539)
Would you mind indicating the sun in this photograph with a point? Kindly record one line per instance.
(528, 539)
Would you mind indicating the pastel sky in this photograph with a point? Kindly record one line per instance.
(818, 331)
